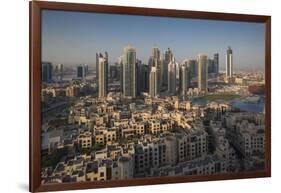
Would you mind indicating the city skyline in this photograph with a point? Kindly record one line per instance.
(61, 34)
(163, 110)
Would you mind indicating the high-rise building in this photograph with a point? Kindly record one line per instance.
(155, 61)
(138, 76)
(155, 53)
(59, 71)
(193, 68)
(168, 56)
(153, 82)
(216, 63)
(86, 69)
(97, 69)
(184, 79)
(129, 72)
(144, 78)
(211, 66)
(103, 75)
(81, 71)
(202, 72)
(229, 63)
(114, 71)
(172, 80)
(47, 72)
(120, 61)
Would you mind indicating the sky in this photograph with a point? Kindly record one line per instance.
(73, 38)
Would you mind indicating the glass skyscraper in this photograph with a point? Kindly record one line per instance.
(184, 79)
(153, 83)
(47, 72)
(103, 74)
(129, 72)
(229, 63)
(202, 72)
(172, 79)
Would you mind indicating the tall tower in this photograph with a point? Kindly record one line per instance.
(155, 61)
(184, 75)
(58, 72)
(144, 78)
(172, 80)
(229, 63)
(210, 66)
(138, 77)
(129, 72)
(216, 63)
(47, 71)
(86, 69)
(193, 68)
(103, 75)
(81, 71)
(202, 72)
(155, 53)
(168, 56)
(97, 69)
(153, 83)
(60, 67)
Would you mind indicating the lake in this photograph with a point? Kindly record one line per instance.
(257, 107)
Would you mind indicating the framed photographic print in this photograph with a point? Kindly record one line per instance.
(123, 96)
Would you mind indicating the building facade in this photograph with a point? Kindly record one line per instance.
(216, 63)
(144, 78)
(168, 56)
(202, 72)
(229, 63)
(103, 75)
(129, 80)
(184, 79)
(81, 71)
(153, 82)
(47, 72)
(172, 79)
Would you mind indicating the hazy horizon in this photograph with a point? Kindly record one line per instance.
(73, 38)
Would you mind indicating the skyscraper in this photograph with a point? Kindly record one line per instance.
(138, 76)
(103, 75)
(172, 80)
(216, 63)
(144, 78)
(168, 56)
(47, 72)
(155, 61)
(114, 71)
(155, 53)
(229, 63)
(153, 83)
(97, 69)
(86, 69)
(193, 68)
(58, 72)
(202, 72)
(211, 66)
(81, 71)
(184, 79)
(129, 72)
(60, 66)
